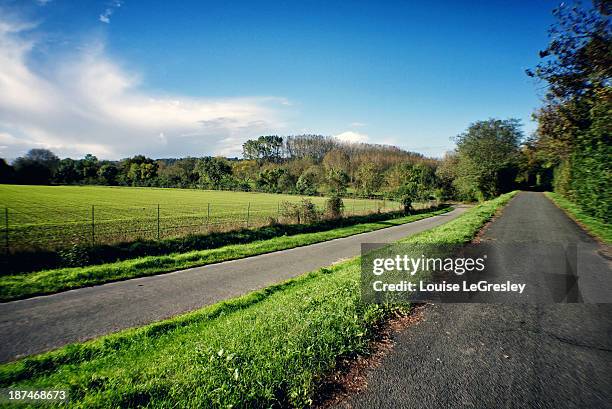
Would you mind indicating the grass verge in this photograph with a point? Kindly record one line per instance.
(19, 286)
(267, 349)
(596, 227)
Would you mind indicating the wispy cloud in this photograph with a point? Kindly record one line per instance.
(357, 125)
(90, 104)
(108, 12)
(43, 2)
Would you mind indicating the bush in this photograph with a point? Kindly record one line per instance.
(309, 211)
(334, 207)
(307, 183)
(305, 211)
(290, 212)
(406, 202)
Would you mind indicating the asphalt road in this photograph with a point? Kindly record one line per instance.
(531, 355)
(43, 323)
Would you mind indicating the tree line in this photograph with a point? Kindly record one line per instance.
(306, 165)
(571, 150)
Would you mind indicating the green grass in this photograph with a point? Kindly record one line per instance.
(269, 348)
(25, 285)
(596, 227)
(57, 216)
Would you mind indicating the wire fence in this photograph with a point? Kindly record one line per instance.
(57, 227)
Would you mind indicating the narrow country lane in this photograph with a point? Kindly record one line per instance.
(531, 355)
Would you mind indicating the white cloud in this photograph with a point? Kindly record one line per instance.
(354, 137)
(43, 2)
(89, 104)
(108, 12)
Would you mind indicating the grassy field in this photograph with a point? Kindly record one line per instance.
(25, 285)
(269, 348)
(58, 216)
(599, 229)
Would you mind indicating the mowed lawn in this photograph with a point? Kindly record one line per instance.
(58, 216)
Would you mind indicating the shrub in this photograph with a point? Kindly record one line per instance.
(309, 211)
(406, 202)
(334, 206)
(290, 211)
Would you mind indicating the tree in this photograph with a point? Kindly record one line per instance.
(89, 167)
(267, 148)
(418, 181)
(67, 172)
(369, 179)
(268, 179)
(6, 172)
(245, 170)
(337, 159)
(573, 134)
(578, 58)
(108, 174)
(37, 167)
(139, 170)
(308, 181)
(180, 173)
(212, 172)
(487, 155)
(337, 181)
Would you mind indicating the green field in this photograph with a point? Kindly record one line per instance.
(59, 216)
(50, 281)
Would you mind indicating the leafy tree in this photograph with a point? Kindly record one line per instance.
(6, 172)
(308, 181)
(369, 179)
(578, 58)
(245, 170)
(267, 148)
(573, 134)
(337, 159)
(139, 170)
(67, 172)
(337, 181)
(213, 171)
(179, 173)
(89, 166)
(487, 156)
(37, 167)
(419, 181)
(268, 179)
(108, 174)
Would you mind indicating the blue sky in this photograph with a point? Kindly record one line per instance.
(194, 77)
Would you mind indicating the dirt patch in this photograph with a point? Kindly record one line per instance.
(351, 375)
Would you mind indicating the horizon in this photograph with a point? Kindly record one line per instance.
(118, 78)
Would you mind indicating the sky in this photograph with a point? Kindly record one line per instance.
(192, 78)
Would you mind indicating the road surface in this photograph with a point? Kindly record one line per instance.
(43, 323)
(538, 355)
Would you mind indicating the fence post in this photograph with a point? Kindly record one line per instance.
(207, 215)
(277, 211)
(93, 226)
(158, 221)
(248, 214)
(353, 206)
(6, 230)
